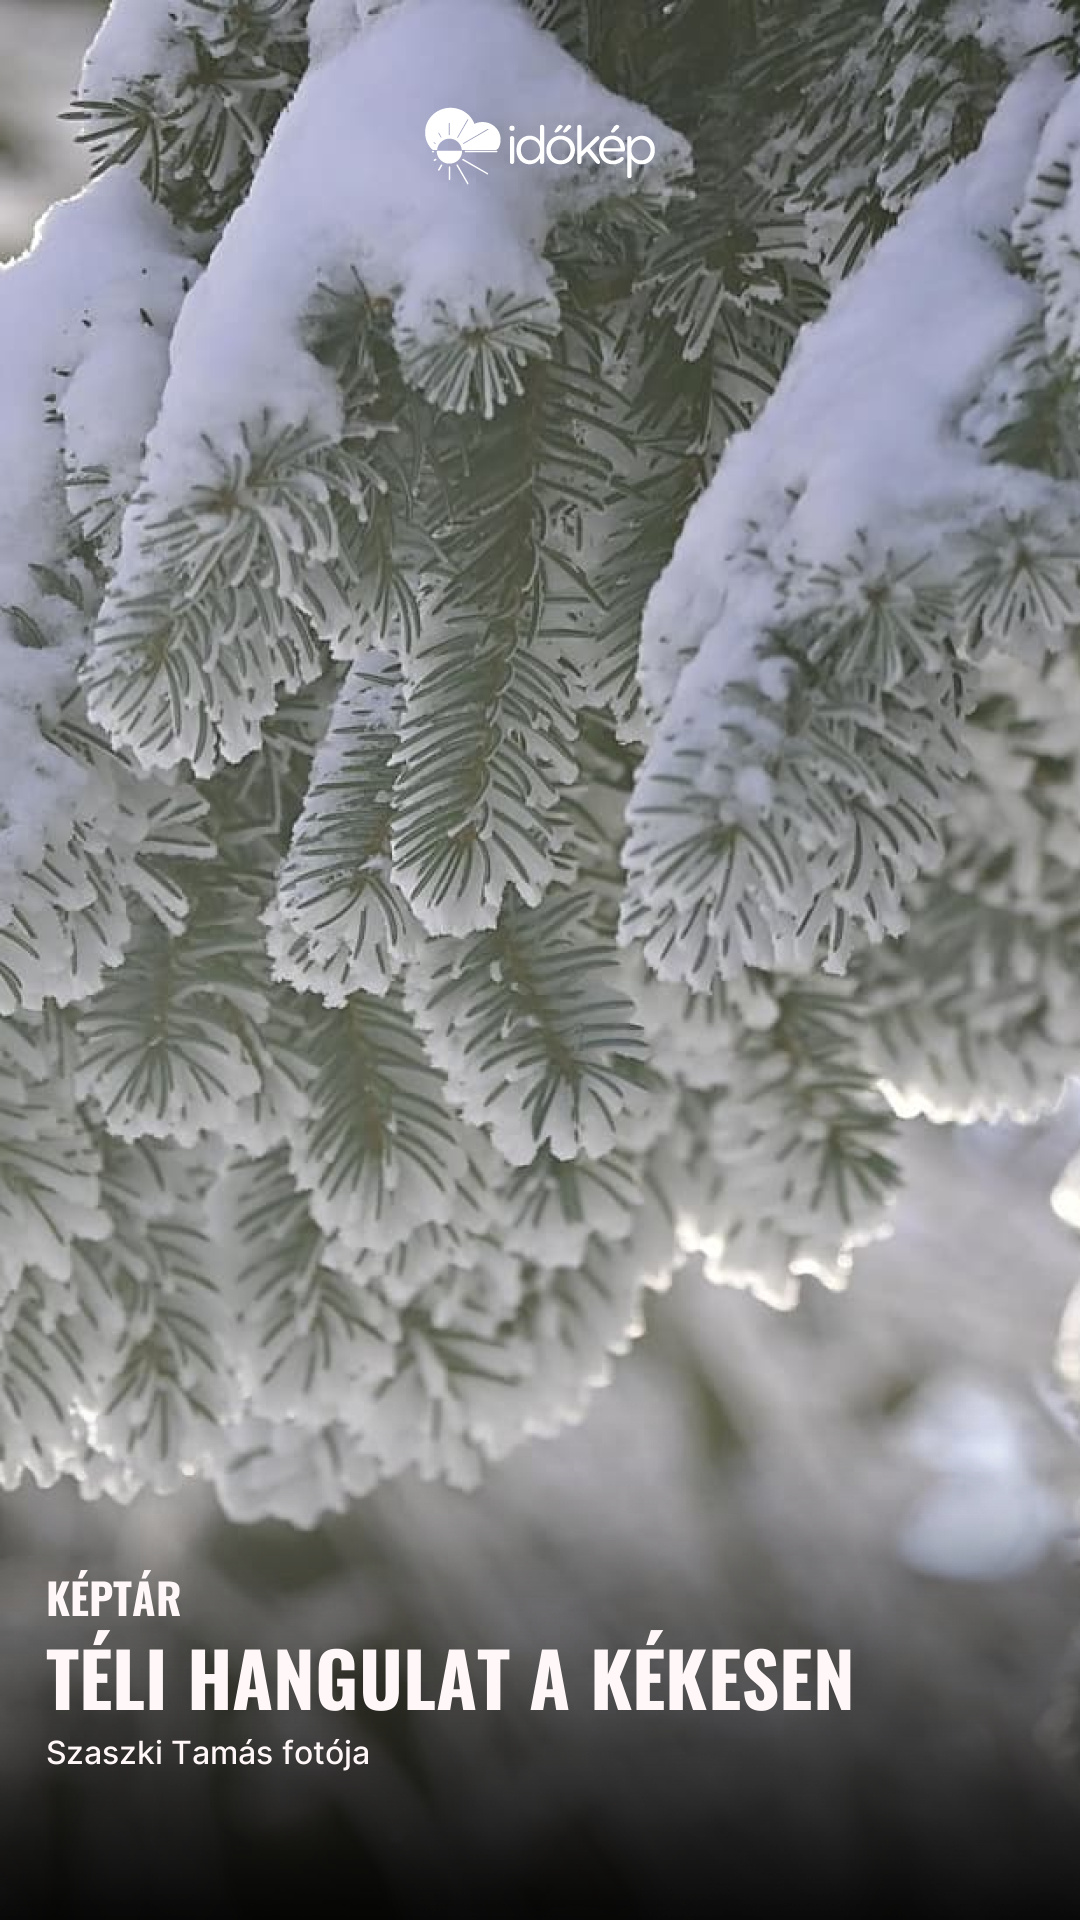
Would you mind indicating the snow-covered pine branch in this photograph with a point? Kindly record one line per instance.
(536, 704)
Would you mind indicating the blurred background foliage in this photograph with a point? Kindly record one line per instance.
(41, 45)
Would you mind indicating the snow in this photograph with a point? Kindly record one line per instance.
(345, 186)
(69, 310)
(1050, 231)
(753, 789)
(331, 25)
(862, 432)
(1012, 28)
(348, 184)
(137, 39)
(869, 476)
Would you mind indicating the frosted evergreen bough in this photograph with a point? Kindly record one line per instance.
(541, 710)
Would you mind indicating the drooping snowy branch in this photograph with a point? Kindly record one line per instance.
(428, 828)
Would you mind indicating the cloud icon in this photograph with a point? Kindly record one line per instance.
(454, 136)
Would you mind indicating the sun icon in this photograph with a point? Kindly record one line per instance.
(454, 135)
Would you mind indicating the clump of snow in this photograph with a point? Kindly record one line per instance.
(350, 185)
(754, 789)
(870, 469)
(137, 40)
(862, 432)
(69, 311)
(1048, 232)
(331, 25)
(110, 401)
(1012, 28)
(1068, 1352)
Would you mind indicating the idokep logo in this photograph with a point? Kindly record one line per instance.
(454, 136)
(604, 149)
